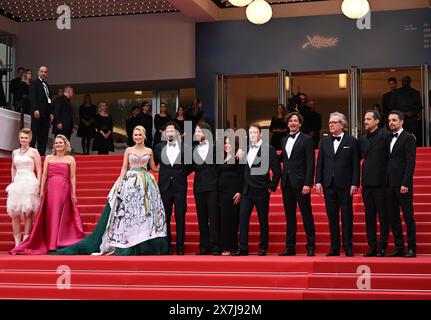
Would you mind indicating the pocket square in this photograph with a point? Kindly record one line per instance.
(345, 147)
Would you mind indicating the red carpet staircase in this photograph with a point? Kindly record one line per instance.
(196, 277)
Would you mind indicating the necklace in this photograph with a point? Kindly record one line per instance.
(21, 151)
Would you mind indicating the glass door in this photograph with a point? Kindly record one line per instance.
(171, 98)
(6, 70)
(355, 101)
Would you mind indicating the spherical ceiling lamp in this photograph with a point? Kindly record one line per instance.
(355, 9)
(240, 3)
(259, 12)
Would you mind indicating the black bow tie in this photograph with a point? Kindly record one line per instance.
(395, 135)
(172, 144)
(336, 138)
(254, 146)
(292, 135)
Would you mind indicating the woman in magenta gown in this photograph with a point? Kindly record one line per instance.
(58, 223)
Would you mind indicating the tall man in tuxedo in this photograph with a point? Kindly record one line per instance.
(296, 182)
(261, 158)
(205, 190)
(41, 110)
(337, 177)
(374, 151)
(399, 190)
(387, 97)
(173, 181)
(63, 113)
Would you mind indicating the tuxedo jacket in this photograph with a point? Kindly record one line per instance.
(402, 159)
(63, 112)
(342, 166)
(375, 158)
(263, 181)
(175, 175)
(38, 99)
(206, 171)
(299, 168)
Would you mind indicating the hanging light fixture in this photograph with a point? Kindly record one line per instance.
(240, 3)
(342, 80)
(355, 9)
(259, 12)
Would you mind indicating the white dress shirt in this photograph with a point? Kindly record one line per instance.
(172, 151)
(252, 153)
(203, 149)
(395, 139)
(290, 143)
(337, 143)
(45, 87)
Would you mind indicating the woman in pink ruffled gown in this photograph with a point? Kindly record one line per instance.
(58, 223)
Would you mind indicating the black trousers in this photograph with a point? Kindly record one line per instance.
(395, 199)
(177, 198)
(260, 199)
(375, 204)
(292, 197)
(229, 221)
(336, 199)
(40, 129)
(208, 220)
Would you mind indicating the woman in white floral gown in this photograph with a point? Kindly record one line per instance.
(133, 221)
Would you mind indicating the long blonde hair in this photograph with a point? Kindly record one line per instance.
(67, 147)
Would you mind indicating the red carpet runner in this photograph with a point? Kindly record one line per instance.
(193, 277)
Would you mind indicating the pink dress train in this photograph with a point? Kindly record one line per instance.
(57, 223)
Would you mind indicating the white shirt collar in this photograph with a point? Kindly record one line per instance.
(257, 143)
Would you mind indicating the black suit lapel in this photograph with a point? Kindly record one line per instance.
(399, 141)
(341, 145)
(298, 141)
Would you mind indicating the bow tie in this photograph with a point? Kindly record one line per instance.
(292, 135)
(254, 146)
(336, 138)
(172, 144)
(395, 135)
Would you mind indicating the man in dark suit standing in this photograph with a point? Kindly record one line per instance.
(296, 182)
(63, 113)
(374, 150)
(261, 158)
(337, 177)
(41, 110)
(205, 190)
(132, 122)
(399, 190)
(173, 182)
(14, 87)
(146, 120)
(387, 97)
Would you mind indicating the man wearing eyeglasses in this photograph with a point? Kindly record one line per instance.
(337, 178)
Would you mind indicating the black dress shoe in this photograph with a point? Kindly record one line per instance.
(381, 253)
(333, 253)
(310, 253)
(349, 253)
(262, 252)
(203, 253)
(239, 253)
(396, 253)
(180, 252)
(371, 253)
(411, 253)
(288, 252)
(216, 253)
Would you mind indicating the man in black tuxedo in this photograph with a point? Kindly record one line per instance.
(173, 181)
(374, 151)
(205, 190)
(63, 113)
(337, 177)
(399, 189)
(261, 158)
(41, 110)
(296, 182)
(132, 122)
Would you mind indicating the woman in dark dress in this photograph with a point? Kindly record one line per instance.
(231, 180)
(103, 141)
(160, 121)
(86, 129)
(180, 118)
(278, 126)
